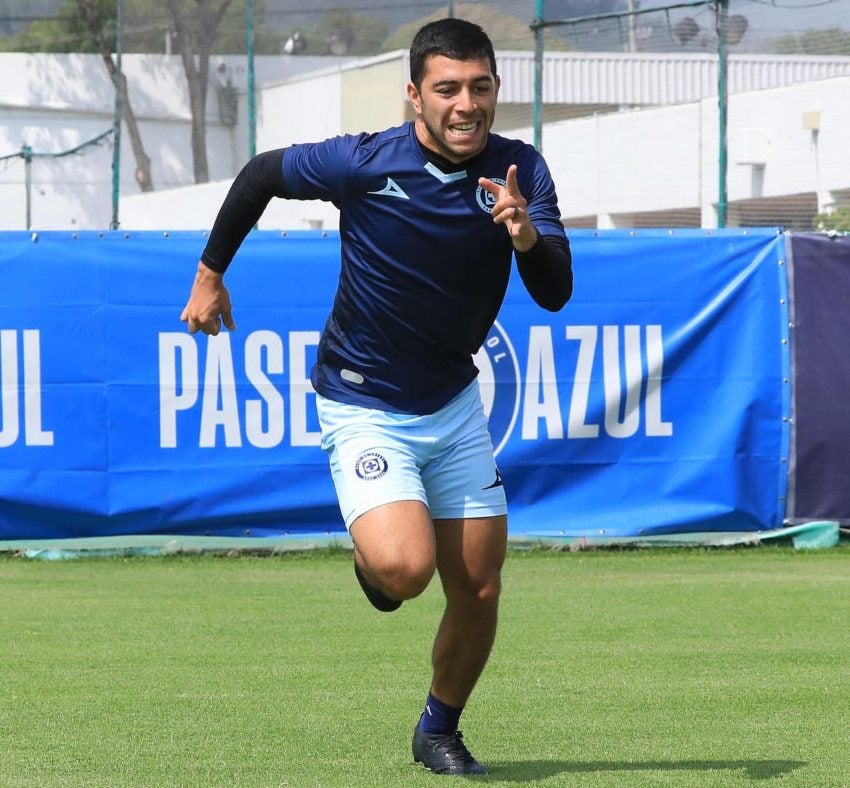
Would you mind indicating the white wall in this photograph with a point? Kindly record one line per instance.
(621, 165)
(300, 110)
(770, 130)
(76, 191)
(195, 208)
(656, 165)
(612, 164)
(54, 103)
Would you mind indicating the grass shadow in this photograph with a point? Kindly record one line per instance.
(528, 771)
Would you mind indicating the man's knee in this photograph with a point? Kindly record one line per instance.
(406, 577)
(491, 588)
(402, 576)
(395, 543)
(481, 590)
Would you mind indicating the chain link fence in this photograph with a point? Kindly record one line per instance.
(626, 104)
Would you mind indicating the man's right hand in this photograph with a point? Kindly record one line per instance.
(209, 304)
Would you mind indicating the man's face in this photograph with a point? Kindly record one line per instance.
(455, 106)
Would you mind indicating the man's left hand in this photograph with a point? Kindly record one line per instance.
(511, 209)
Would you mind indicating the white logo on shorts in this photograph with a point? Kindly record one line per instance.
(370, 465)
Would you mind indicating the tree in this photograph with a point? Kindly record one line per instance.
(65, 32)
(196, 28)
(87, 26)
(196, 23)
(838, 220)
(506, 32)
(342, 33)
(201, 27)
(829, 41)
(92, 17)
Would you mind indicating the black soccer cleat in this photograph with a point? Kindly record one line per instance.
(377, 597)
(444, 753)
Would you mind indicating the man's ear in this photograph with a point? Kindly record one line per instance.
(413, 95)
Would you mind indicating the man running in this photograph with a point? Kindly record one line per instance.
(432, 213)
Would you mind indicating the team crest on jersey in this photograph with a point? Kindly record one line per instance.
(498, 378)
(370, 465)
(485, 200)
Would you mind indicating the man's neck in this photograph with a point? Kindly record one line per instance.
(445, 165)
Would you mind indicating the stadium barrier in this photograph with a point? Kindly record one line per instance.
(659, 401)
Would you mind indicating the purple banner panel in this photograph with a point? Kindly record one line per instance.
(821, 287)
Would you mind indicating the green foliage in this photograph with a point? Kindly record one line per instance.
(838, 220)
(342, 32)
(506, 31)
(146, 23)
(829, 41)
(66, 32)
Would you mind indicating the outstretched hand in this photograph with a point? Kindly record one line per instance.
(209, 304)
(511, 209)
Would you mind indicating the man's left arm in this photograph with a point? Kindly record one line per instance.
(546, 271)
(544, 261)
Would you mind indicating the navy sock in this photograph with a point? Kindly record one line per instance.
(439, 717)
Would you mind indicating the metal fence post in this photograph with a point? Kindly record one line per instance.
(722, 107)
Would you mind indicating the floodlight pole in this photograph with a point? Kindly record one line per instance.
(26, 153)
(537, 109)
(249, 51)
(631, 27)
(722, 107)
(116, 127)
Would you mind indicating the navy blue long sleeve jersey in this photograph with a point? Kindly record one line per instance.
(424, 268)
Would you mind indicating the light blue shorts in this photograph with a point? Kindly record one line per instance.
(444, 459)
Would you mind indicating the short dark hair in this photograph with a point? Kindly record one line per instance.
(456, 39)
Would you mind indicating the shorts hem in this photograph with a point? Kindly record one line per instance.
(367, 507)
(469, 513)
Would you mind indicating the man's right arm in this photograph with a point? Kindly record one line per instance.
(209, 301)
(258, 181)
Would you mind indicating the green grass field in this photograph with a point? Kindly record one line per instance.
(628, 668)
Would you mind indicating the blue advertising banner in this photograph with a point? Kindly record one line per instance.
(656, 402)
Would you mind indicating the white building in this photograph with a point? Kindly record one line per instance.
(631, 139)
(53, 104)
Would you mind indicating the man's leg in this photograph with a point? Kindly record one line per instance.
(470, 554)
(375, 464)
(395, 549)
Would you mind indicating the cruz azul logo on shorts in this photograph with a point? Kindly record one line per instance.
(370, 465)
(485, 200)
(498, 379)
